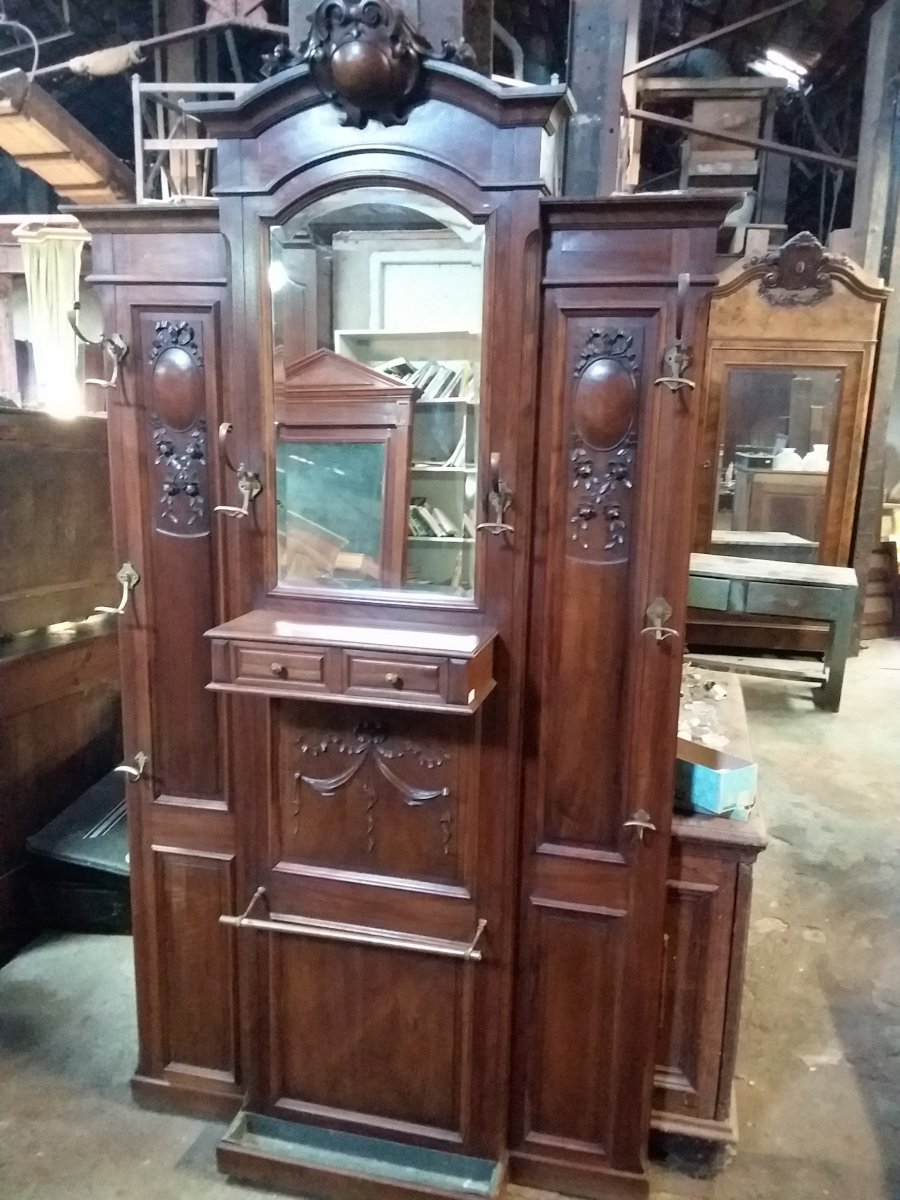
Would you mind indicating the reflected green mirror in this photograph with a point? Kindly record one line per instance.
(392, 280)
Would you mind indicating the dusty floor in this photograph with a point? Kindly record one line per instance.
(819, 1086)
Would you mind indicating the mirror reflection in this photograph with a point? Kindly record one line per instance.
(774, 460)
(377, 483)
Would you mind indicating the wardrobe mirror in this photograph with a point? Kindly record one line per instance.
(774, 459)
(377, 481)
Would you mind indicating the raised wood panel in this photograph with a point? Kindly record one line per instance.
(196, 982)
(686, 965)
(588, 575)
(569, 1069)
(179, 391)
(386, 795)
(389, 1028)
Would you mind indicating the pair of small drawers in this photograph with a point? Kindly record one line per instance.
(347, 672)
(353, 675)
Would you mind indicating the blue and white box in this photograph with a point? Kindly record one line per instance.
(710, 781)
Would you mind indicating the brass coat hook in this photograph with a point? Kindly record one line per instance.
(248, 482)
(658, 612)
(113, 344)
(497, 501)
(677, 355)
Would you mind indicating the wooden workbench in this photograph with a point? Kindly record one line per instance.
(720, 583)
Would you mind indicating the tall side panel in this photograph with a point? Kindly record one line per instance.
(163, 423)
(612, 531)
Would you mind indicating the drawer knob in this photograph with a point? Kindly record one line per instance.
(394, 680)
(279, 670)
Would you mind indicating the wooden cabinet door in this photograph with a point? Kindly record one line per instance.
(612, 530)
(375, 880)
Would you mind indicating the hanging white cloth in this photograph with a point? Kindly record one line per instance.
(52, 259)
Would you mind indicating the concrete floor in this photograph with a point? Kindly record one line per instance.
(819, 1072)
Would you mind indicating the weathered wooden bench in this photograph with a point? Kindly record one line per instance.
(780, 589)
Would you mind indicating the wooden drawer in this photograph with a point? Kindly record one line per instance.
(390, 677)
(275, 665)
(787, 599)
(266, 653)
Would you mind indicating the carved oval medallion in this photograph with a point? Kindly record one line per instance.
(604, 403)
(177, 387)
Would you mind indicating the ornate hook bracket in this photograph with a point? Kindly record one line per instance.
(248, 482)
(133, 773)
(677, 355)
(498, 499)
(128, 578)
(658, 612)
(114, 345)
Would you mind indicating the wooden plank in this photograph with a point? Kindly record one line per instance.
(39, 107)
(56, 535)
(773, 668)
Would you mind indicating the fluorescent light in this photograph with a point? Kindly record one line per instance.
(278, 276)
(779, 65)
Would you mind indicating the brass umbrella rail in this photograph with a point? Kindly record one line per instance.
(359, 935)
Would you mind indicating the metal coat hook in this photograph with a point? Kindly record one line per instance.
(113, 344)
(658, 612)
(677, 355)
(248, 482)
(497, 500)
(134, 772)
(128, 578)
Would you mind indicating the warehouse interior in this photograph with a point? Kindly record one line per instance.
(449, 640)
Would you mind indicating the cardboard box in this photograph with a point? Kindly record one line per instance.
(710, 781)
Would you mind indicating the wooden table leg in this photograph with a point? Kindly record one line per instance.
(828, 696)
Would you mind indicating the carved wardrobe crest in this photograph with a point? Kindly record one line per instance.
(366, 57)
(799, 272)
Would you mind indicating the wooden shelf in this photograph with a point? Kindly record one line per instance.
(446, 541)
(445, 470)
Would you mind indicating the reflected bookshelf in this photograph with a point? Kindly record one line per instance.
(444, 366)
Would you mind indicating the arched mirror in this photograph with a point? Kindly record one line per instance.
(377, 297)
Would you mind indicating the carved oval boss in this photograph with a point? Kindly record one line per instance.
(605, 392)
(177, 380)
(178, 429)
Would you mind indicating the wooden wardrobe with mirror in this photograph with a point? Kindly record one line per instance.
(785, 403)
(398, 455)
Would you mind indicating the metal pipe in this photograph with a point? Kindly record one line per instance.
(832, 160)
(664, 55)
(182, 35)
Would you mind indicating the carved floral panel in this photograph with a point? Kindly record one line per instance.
(178, 431)
(386, 796)
(601, 446)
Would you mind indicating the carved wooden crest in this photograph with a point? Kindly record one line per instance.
(799, 273)
(367, 58)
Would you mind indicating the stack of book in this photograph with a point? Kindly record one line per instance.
(434, 380)
(426, 520)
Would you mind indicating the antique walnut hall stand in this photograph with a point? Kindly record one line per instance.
(401, 457)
